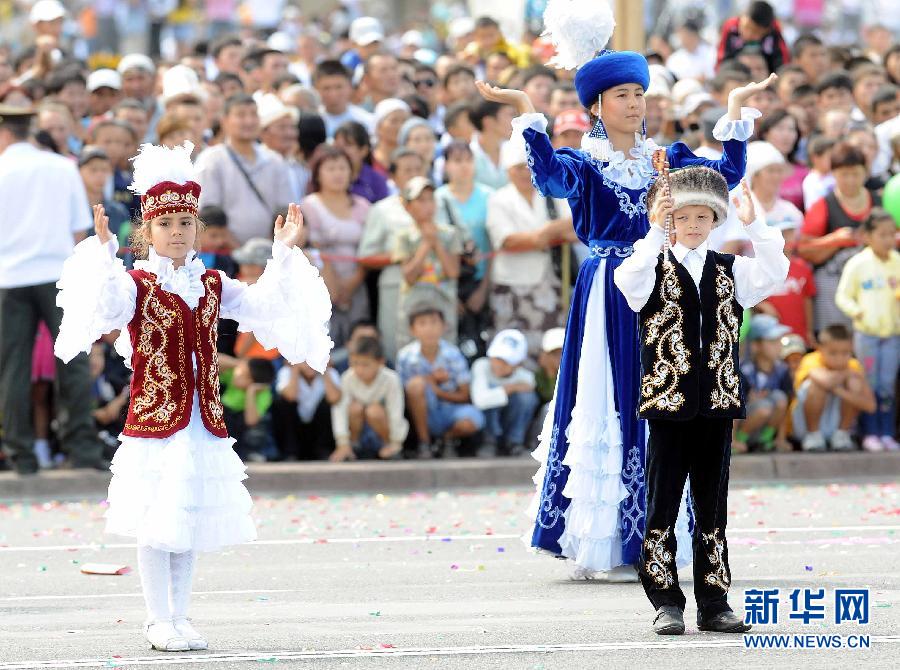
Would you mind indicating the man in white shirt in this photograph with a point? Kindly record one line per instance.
(334, 85)
(45, 212)
(247, 180)
(695, 59)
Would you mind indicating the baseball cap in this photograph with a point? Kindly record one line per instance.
(89, 153)
(255, 251)
(365, 30)
(792, 344)
(271, 109)
(104, 78)
(553, 339)
(415, 186)
(387, 107)
(46, 10)
(571, 119)
(766, 327)
(509, 345)
(136, 62)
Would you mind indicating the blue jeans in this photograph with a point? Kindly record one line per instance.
(509, 424)
(443, 415)
(880, 357)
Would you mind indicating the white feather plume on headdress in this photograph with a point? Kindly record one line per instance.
(155, 164)
(578, 29)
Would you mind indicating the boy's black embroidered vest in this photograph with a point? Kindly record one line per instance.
(680, 377)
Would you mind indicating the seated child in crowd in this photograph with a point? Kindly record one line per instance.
(368, 420)
(247, 399)
(436, 378)
(767, 381)
(111, 393)
(831, 391)
(504, 390)
(545, 378)
(793, 349)
(340, 356)
(301, 412)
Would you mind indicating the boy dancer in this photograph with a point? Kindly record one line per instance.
(690, 301)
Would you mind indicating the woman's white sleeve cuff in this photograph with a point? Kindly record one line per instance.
(741, 130)
(534, 120)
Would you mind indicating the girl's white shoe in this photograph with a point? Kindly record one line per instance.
(622, 574)
(195, 641)
(163, 636)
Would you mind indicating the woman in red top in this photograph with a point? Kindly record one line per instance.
(781, 129)
(832, 223)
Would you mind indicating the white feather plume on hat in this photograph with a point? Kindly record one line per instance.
(155, 164)
(578, 29)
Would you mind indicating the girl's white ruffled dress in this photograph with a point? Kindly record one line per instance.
(186, 492)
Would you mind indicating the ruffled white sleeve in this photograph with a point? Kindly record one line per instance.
(288, 308)
(96, 294)
(534, 120)
(741, 130)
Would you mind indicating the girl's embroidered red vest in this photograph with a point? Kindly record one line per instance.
(164, 333)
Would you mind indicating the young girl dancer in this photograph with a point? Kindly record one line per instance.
(177, 483)
(590, 504)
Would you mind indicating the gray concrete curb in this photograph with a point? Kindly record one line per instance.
(369, 476)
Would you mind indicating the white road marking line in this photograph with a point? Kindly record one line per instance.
(396, 652)
(732, 532)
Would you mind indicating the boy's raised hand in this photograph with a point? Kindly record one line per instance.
(663, 206)
(744, 205)
(101, 224)
(290, 231)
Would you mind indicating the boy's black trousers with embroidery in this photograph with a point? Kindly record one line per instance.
(701, 448)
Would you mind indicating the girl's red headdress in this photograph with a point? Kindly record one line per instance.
(164, 178)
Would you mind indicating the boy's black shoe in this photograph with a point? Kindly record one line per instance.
(723, 622)
(669, 621)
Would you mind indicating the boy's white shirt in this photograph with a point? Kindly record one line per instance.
(487, 390)
(754, 278)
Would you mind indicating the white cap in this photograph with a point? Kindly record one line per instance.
(413, 38)
(461, 26)
(761, 155)
(136, 62)
(510, 346)
(180, 80)
(693, 102)
(553, 339)
(47, 10)
(271, 109)
(386, 107)
(365, 30)
(513, 152)
(104, 78)
(280, 41)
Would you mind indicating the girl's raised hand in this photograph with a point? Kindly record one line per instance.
(518, 100)
(290, 231)
(744, 205)
(101, 224)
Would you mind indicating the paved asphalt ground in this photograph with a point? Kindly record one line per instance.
(439, 580)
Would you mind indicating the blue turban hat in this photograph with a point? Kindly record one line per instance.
(609, 69)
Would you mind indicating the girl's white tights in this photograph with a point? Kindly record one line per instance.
(166, 579)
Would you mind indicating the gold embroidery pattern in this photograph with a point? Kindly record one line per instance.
(728, 384)
(659, 558)
(155, 401)
(719, 577)
(665, 328)
(210, 321)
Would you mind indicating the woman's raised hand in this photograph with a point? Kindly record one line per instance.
(101, 224)
(506, 96)
(742, 93)
(290, 231)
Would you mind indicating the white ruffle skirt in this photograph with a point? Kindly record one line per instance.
(180, 493)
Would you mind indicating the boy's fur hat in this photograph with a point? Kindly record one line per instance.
(696, 186)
